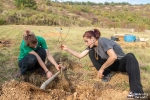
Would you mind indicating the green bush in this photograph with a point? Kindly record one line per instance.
(2, 21)
(21, 4)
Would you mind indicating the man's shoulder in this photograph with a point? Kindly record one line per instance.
(39, 37)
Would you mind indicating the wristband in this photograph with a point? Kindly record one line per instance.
(46, 72)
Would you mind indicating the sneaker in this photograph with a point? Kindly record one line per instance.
(133, 95)
(107, 78)
(18, 74)
(130, 95)
(141, 96)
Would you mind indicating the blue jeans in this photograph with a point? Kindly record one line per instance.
(30, 63)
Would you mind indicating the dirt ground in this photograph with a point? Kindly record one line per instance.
(68, 86)
(78, 90)
(4, 43)
(72, 84)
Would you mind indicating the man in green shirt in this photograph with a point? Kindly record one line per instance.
(33, 52)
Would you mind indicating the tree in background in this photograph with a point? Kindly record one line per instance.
(21, 4)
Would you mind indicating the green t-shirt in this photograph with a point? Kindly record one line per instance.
(24, 49)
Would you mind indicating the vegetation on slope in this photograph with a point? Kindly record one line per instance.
(46, 12)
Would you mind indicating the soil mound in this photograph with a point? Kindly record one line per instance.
(75, 83)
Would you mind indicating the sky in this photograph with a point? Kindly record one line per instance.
(115, 1)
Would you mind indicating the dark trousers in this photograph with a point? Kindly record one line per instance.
(127, 64)
(30, 63)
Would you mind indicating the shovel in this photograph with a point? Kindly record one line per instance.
(43, 86)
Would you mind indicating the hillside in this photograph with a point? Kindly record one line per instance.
(66, 14)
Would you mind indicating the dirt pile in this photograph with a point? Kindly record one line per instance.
(5, 43)
(75, 83)
(14, 90)
(80, 90)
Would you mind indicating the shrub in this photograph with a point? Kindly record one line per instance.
(2, 21)
(21, 4)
